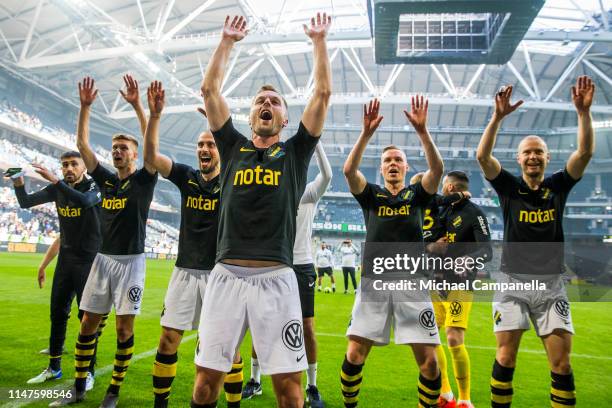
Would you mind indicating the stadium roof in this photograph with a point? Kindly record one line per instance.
(55, 43)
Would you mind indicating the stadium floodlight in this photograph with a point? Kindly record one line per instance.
(449, 31)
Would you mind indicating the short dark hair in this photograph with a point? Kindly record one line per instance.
(391, 147)
(70, 153)
(268, 87)
(123, 136)
(460, 179)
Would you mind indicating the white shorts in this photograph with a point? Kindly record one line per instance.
(183, 302)
(115, 280)
(265, 300)
(547, 310)
(413, 322)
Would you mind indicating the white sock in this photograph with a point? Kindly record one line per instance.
(255, 372)
(311, 374)
(333, 285)
(447, 395)
(467, 402)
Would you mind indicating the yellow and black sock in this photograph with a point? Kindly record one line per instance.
(164, 371)
(461, 366)
(233, 385)
(562, 391)
(101, 326)
(501, 386)
(429, 391)
(123, 355)
(350, 377)
(83, 354)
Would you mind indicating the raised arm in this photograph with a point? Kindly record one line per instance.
(86, 199)
(26, 200)
(316, 188)
(216, 108)
(152, 157)
(87, 94)
(582, 96)
(371, 120)
(315, 112)
(488, 163)
(132, 96)
(418, 119)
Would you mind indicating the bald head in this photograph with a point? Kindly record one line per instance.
(532, 140)
(533, 156)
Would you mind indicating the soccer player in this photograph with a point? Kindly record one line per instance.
(371, 321)
(76, 199)
(262, 182)
(324, 259)
(348, 253)
(521, 199)
(118, 271)
(306, 276)
(200, 191)
(463, 222)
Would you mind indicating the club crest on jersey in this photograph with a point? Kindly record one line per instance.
(457, 221)
(546, 193)
(407, 196)
(277, 152)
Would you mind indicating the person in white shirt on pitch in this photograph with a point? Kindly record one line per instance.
(306, 276)
(349, 252)
(325, 265)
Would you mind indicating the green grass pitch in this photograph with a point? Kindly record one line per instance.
(389, 376)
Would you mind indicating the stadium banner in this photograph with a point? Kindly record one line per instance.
(338, 226)
(540, 271)
(22, 247)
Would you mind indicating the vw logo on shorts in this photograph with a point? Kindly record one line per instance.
(134, 294)
(455, 308)
(427, 319)
(562, 308)
(293, 336)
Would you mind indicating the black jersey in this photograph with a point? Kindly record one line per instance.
(125, 209)
(393, 218)
(78, 212)
(433, 226)
(465, 222)
(260, 193)
(534, 216)
(199, 217)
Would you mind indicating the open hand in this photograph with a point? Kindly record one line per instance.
(156, 98)
(235, 30)
(45, 173)
(582, 93)
(87, 91)
(418, 113)
(130, 95)
(319, 27)
(503, 107)
(371, 118)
